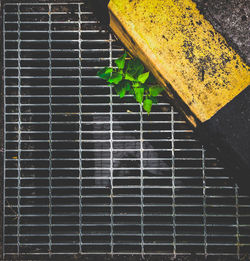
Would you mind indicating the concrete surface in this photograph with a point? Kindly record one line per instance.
(232, 19)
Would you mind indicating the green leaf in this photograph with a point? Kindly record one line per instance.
(122, 87)
(139, 92)
(129, 77)
(120, 62)
(115, 78)
(105, 73)
(123, 92)
(127, 85)
(143, 77)
(108, 70)
(136, 84)
(131, 91)
(118, 89)
(135, 67)
(153, 99)
(151, 79)
(155, 90)
(147, 105)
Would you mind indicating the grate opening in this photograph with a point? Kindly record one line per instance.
(87, 173)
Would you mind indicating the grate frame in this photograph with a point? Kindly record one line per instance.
(206, 165)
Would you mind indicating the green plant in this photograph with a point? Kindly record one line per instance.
(130, 77)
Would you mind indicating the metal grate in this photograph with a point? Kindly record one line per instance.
(86, 172)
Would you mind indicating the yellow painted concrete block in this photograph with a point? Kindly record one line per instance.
(183, 50)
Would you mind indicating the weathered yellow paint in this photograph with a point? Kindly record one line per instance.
(181, 48)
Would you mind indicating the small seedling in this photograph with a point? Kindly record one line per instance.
(130, 78)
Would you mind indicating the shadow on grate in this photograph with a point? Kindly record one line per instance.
(89, 174)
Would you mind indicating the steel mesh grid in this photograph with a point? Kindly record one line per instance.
(83, 174)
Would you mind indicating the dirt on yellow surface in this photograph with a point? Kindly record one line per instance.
(183, 50)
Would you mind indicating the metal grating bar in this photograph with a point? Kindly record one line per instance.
(111, 155)
(19, 134)
(141, 182)
(173, 180)
(80, 132)
(50, 134)
(87, 173)
(204, 199)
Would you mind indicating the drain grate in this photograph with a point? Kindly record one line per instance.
(88, 173)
